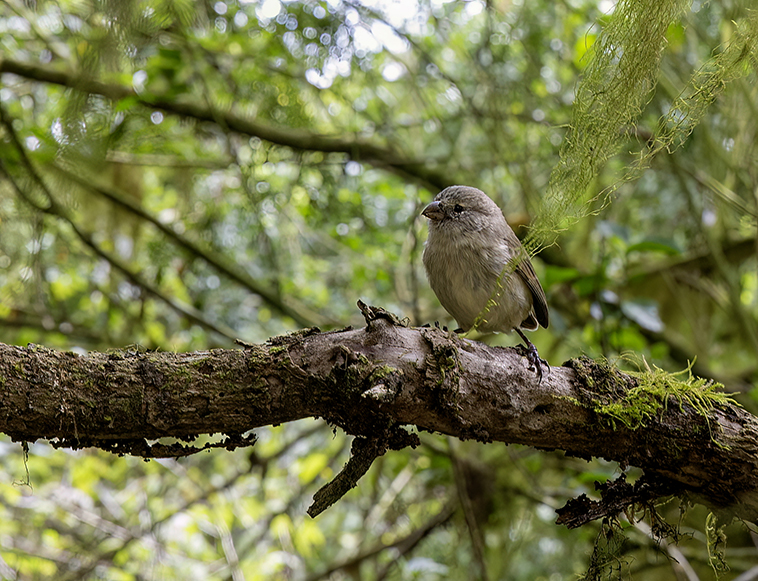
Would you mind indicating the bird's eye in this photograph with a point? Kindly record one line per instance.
(458, 209)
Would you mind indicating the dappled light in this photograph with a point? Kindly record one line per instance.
(194, 180)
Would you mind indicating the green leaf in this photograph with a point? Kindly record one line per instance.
(654, 246)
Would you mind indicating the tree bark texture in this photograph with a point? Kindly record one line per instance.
(371, 382)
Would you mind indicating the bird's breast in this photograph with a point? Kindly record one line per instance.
(464, 273)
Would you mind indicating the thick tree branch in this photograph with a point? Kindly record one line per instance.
(356, 148)
(370, 382)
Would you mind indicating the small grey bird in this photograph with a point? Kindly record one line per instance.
(470, 247)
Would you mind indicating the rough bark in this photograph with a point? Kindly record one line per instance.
(371, 382)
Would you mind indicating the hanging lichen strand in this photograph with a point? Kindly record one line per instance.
(731, 61)
(616, 86)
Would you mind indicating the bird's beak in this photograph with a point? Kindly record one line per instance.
(433, 211)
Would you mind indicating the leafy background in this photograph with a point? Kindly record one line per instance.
(260, 167)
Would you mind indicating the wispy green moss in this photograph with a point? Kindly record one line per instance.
(618, 82)
(716, 539)
(655, 388)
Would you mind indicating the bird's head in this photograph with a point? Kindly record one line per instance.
(463, 209)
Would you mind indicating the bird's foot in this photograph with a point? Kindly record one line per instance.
(533, 357)
(536, 362)
(436, 326)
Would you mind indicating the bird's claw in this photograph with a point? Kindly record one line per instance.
(533, 357)
(536, 362)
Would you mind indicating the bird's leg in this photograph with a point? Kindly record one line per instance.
(533, 356)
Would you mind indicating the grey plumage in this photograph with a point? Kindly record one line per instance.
(470, 245)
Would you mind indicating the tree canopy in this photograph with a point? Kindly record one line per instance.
(178, 175)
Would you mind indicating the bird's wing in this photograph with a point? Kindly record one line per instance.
(526, 271)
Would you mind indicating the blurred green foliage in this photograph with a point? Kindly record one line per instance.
(279, 154)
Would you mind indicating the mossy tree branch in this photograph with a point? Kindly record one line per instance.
(372, 382)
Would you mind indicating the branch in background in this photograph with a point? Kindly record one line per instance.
(735, 252)
(472, 523)
(160, 160)
(300, 313)
(187, 311)
(679, 563)
(356, 148)
(403, 545)
(53, 208)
